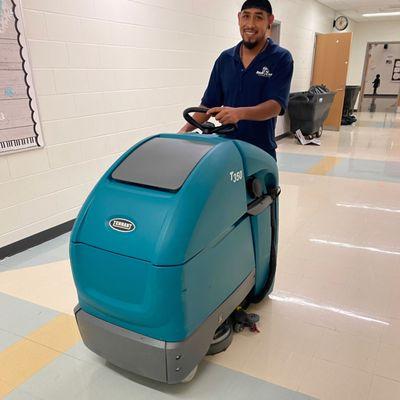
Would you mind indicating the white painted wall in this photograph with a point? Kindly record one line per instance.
(364, 32)
(110, 72)
(382, 62)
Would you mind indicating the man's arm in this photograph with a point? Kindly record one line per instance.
(261, 112)
(199, 117)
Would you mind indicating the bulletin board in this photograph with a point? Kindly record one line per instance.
(396, 71)
(19, 119)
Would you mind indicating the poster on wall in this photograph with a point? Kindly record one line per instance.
(19, 120)
(396, 71)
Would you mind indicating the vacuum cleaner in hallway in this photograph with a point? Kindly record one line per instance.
(178, 234)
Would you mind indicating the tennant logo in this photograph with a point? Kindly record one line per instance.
(122, 225)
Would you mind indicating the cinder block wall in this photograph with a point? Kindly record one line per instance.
(111, 72)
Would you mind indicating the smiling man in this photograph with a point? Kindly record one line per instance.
(249, 84)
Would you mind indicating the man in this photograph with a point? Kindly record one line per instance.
(249, 84)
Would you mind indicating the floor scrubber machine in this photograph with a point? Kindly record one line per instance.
(177, 234)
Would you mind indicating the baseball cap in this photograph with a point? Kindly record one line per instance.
(264, 5)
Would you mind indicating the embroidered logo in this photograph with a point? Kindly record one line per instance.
(265, 73)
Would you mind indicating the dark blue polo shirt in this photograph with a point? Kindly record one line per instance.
(268, 77)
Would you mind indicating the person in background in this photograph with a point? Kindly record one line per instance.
(249, 84)
(376, 83)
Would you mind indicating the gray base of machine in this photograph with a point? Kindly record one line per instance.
(169, 362)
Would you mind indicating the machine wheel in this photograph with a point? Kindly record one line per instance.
(238, 327)
(319, 133)
(191, 375)
(222, 338)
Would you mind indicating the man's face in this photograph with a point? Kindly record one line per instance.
(254, 25)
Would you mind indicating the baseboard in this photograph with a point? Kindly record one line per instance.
(391, 96)
(283, 135)
(35, 240)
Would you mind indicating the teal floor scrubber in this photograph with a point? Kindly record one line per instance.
(179, 232)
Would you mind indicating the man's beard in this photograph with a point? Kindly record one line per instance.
(250, 45)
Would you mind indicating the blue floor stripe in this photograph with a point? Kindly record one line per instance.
(373, 170)
(21, 317)
(51, 251)
(299, 163)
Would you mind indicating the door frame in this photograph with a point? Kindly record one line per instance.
(316, 34)
(365, 70)
(313, 57)
(277, 25)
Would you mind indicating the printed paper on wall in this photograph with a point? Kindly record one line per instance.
(19, 120)
(396, 71)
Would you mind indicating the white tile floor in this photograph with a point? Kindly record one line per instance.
(331, 328)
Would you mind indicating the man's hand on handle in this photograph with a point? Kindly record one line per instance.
(225, 115)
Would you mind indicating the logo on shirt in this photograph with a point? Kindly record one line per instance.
(265, 73)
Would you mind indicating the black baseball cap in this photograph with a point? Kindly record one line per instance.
(264, 5)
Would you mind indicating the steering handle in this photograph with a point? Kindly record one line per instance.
(207, 128)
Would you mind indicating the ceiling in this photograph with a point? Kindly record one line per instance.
(355, 8)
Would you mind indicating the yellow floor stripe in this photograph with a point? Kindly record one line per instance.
(4, 389)
(324, 166)
(23, 359)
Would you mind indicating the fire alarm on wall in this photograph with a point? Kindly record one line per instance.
(341, 23)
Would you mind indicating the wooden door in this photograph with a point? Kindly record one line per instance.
(331, 61)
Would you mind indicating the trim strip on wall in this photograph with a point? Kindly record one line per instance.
(282, 136)
(35, 240)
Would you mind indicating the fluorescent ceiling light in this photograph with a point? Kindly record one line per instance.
(382, 14)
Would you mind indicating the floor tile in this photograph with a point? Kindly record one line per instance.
(326, 380)
(48, 285)
(296, 162)
(384, 389)
(388, 362)
(211, 382)
(7, 339)
(64, 378)
(19, 394)
(5, 388)
(348, 350)
(391, 333)
(81, 352)
(48, 252)
(22, 360)
(21, 317)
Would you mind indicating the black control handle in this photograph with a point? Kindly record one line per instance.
(207, 128)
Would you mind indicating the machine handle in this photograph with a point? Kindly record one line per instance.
(258, 206)
(207, 127)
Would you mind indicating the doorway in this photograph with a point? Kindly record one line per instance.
(282, 123)
(276, 31)
(382, 66)
(331, 62)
